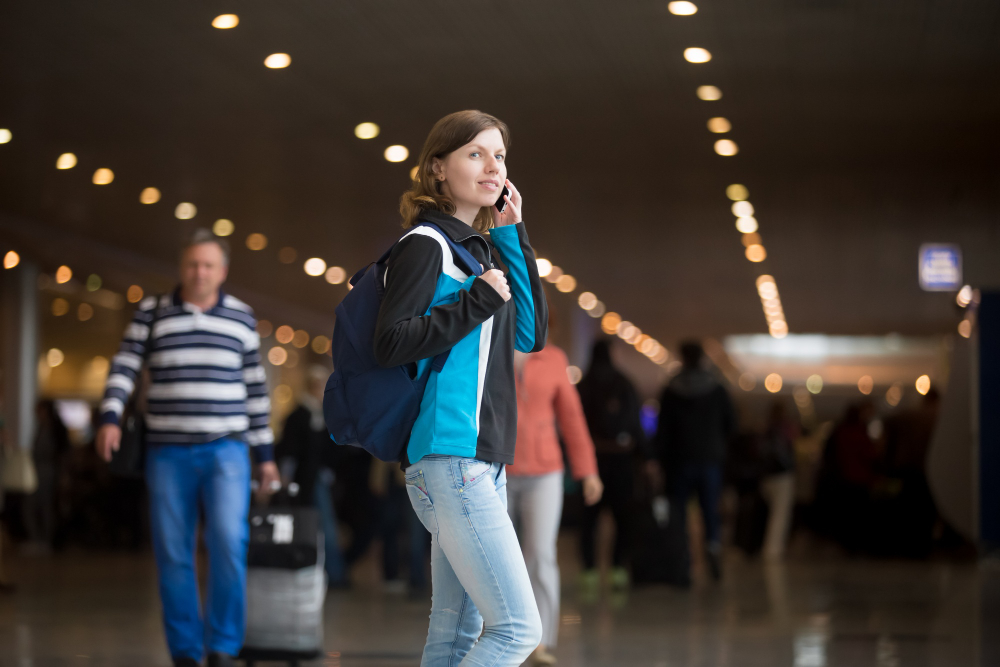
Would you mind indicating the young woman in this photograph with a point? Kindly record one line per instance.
(482, 611)
(548, 407)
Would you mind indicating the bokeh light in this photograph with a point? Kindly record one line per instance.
(366, 131)
(719, 125)
(756, 253)
(773, 383)
(278, 61)
(185, 211)
(54, 357)
(284, 334)
(587, 300)
(566, 283)
(315, 266)
(301, 338)
(64, 274)
(256, 241)
(223, 227)
(682, 8)
(84, 312)
(225, 21)
(282, 393)
(747, 224)
(277, 355)
(321, 344)
(264, 328)
(60, 306)
(814, 384)
(66, 161)
(574, 374)
(894, 395)
(94, 282)
(747, 382)
(149, 196)
(737, 192)
(709, 93)
(134, 294)
(335, 275)
(103, 176)
(610, 322)
(544, 267)
(11, 259)
(5, 135)
(696, 54)
(866, 384)
(923, 385)
(396, 153)
(726, 147)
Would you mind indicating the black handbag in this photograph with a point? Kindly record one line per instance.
(129, 462)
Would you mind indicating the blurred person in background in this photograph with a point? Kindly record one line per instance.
(207, 401)
(778, 483)
(5, 441)
(851, 470)
(697, 422)
(612, 410)
(50, 445)
(548, 407)
(306, 456)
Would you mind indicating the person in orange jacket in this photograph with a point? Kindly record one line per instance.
(548, 407)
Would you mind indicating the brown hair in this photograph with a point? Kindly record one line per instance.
(448, 135)
(202, 235)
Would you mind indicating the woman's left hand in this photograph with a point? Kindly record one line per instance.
(512, 214)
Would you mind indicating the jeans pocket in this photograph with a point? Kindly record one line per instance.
(416, 489)
(474, 471)
(416, 481)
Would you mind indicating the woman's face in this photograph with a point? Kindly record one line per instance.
(473, 175)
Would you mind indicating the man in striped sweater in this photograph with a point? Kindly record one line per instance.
(207, 400)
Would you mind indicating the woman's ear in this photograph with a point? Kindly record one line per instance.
(437, 168)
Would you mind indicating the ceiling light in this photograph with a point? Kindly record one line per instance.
(54, 357)
(625, 330)
(93, 282)
(223, 227)
(256, 241)
(778, 329)
(750, 238)
(84, 312)
(185, 211)
(366, 131)
(5, 135)
(287, 255)
(610, 322)
(756, 253)
(719, 125)
(746, 224)
(278, 61)
(737, 192)
(134, 294)
(321, 345)
(747, 382)
(265, 328)
(66, 161)
(284, 334)
(397, 153)
(335, 275)
(768, 291)
(726, 147)
(60, 307)
(923, 385)
(315, 266)
(597, 310)
(814, 384)
(697, 55)
(964, 296)
(544, 267)
(226, 21)
(709, 93)
(682, 8)
(742, 209)
(866, 384)
(554, 274)
(773, 383)
(277, 355)
(103, 176)
(566, 283)
(301, 338)
(64, 274)
(894, 395)
(965, 329)
(149, 196)
(11, 259)
(587, 300)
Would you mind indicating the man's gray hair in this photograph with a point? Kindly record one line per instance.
(202, 235)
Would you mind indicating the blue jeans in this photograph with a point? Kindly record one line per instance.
(478, 575)
(706, 480)
(216, 478)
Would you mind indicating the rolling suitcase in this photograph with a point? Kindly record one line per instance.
(661, 551)
(286, 586)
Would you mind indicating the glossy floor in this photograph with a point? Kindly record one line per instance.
(86, 609)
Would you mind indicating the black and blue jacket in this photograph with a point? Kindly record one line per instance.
(430, 305)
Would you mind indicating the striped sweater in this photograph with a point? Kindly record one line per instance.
(206, 380)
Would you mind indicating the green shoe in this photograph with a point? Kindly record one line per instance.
(619, 578)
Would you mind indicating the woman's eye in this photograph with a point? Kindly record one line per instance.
(474, 154)
(500, 158)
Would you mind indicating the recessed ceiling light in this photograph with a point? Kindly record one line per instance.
(315, 266)
(756, 253)
(185, 211)
(223, 227)
(709, 93)
(278, 61)
(726, 147)
(366, 131)
(225, 21)
(682, 8)
(719, 125)
(746, 224)
(697, 55)
(397, 153)
(66, 161)
(737, 192)
(149, 196)
(5, 135)
(742, 208)
(103, 176)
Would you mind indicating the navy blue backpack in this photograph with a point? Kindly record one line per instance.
(364, 404)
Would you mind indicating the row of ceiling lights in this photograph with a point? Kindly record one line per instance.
(746, 223)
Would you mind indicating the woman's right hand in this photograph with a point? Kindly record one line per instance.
(495, 279)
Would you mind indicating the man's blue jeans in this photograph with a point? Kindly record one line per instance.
(214, 477)
(705, 479)
(481, 589)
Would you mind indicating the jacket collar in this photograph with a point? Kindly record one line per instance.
(177, 301)
(456, 229)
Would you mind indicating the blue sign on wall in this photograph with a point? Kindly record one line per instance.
(940, 267)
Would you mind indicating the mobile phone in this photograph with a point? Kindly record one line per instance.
(502, 203)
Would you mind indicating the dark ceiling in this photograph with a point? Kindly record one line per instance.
(865, 129)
